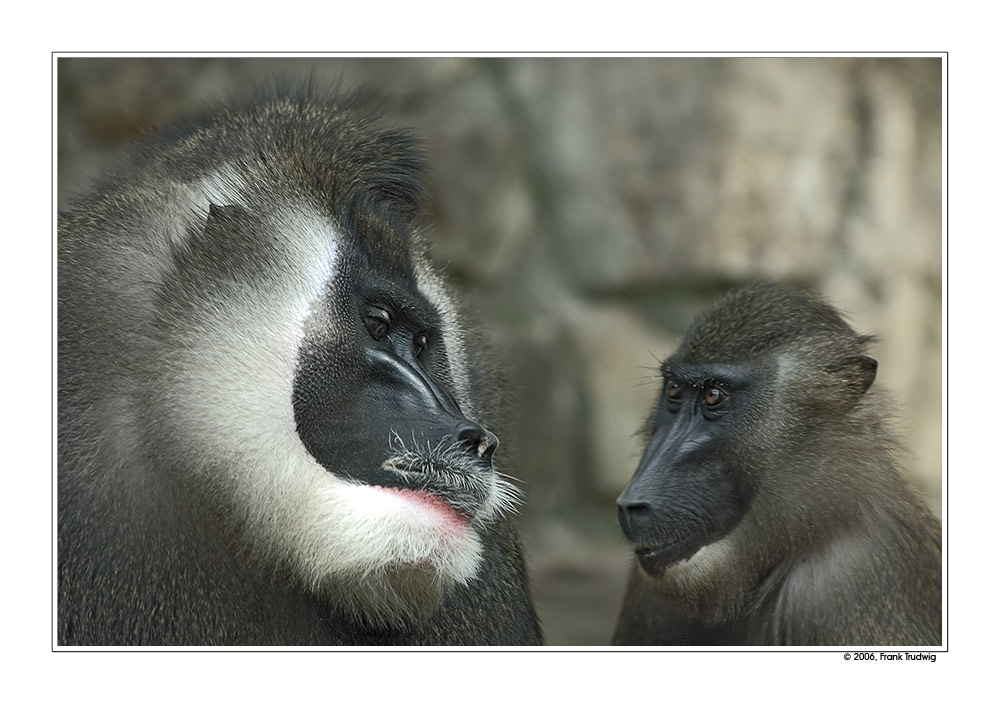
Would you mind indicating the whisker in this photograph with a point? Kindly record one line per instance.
(448, 469)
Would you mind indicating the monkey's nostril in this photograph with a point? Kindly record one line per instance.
(480, 441)
(488, 445)
(632, 516)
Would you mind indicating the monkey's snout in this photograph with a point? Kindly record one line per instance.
(635, 518)
(479, 441)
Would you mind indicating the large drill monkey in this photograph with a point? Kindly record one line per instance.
(767, 508)
(272, 427)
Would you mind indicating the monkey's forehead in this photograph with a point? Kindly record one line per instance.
(763, 319)
(328, 149)
(736, 373)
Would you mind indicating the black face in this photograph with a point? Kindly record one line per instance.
(373, 397)
(689, 489)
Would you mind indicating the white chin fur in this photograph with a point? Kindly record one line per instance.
(384, 556)
(680, 567)
(701, 566)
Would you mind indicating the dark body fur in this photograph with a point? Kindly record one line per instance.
(153, 548)
(172, 581)
(821, 542)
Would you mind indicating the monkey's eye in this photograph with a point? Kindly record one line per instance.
(377, 321)
(419, 344)
(673, 390)
(714, 396)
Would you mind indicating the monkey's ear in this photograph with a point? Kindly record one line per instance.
(219, 239)
(855, 376)
(867, 367)
(222, 221)
(221, 212)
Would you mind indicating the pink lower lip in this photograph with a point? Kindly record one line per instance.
(435, 503)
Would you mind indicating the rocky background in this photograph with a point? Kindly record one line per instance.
(587, 208)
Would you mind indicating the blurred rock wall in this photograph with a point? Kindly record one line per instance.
(587, 208)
